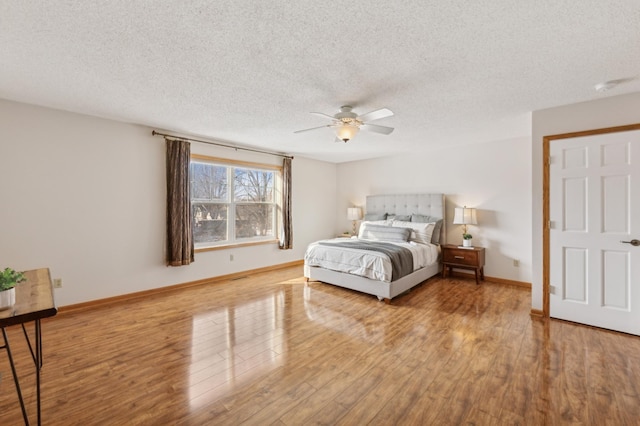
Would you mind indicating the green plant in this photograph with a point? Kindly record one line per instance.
(10, 278)
(466, 236)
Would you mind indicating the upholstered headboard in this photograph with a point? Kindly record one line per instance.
(408, 204)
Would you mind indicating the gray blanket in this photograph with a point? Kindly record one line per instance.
(401, 258)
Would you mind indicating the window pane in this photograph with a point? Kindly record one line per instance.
(225, 196)
(208, 182)
(209, 222)
(253, 185)
(254, 220)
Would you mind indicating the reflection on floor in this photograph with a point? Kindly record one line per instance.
(346, 316)
(270, 349)
(231, 345)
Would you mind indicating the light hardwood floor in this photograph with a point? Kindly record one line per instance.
(270, 349)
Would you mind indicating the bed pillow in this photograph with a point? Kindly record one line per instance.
(375, 216)
(422, 232)
(365, 223)
(376, 222)
(421, 218)
(400, 217)
(435, 238)
(392, 234)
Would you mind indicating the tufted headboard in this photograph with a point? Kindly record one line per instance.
(407, 204)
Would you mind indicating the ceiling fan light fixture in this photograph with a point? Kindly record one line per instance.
(346, 123)
(345, 132)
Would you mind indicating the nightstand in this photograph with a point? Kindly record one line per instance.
(463, 258)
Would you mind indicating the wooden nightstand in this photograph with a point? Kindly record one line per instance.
(464, 258)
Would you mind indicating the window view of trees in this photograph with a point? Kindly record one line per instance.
(254, 197)
(209, 202)
(219, 192)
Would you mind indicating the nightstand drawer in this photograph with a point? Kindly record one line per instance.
(461, 257)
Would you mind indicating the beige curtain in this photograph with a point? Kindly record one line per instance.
(179, 237)
(286, 231)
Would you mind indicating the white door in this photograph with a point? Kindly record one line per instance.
(594, 205)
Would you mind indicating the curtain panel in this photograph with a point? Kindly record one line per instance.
(180, 249)
(286, 231)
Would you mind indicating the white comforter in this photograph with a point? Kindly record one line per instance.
(369, 264)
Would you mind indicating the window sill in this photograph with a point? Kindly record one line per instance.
(234, 245)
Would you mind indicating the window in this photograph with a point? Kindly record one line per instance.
(233, 203)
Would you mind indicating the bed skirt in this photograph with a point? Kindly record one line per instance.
(380, 289)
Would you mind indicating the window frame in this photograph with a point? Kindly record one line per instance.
(231, 165)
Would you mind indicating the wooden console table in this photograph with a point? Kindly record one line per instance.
(34, 301)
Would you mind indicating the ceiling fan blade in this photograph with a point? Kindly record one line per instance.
(376, 115)
(324, 115)
(377, 129)
(313, 128)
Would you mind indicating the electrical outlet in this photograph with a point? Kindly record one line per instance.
(516, 262)
(57, 283)
(231, 257)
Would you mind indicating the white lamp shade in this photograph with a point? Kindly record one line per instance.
(346, 131)
(465, 216)
(354, 213)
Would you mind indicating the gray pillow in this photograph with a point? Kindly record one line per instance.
(435, 238)
(422, 218)
(375, 216)
(369, 231)
(400, 217)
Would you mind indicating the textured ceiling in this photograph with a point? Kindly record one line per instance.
(249, 72)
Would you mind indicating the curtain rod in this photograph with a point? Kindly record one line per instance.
(154, 133)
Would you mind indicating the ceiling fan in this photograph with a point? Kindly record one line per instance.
(346, 123)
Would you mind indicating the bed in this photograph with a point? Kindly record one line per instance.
(343, 263)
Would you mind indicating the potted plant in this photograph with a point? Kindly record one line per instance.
(9, 278)
(466, 240)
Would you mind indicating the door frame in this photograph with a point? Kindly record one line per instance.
(546, 164)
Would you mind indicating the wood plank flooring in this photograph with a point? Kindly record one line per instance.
(270, 349)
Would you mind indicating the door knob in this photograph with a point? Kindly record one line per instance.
(632, 242)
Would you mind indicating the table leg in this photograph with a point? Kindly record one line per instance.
(38, 363)
(15, 376)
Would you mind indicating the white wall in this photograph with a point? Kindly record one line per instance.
(494, 177)
(85, 197)
(602, 113)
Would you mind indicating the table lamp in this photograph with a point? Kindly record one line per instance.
(465, 216)
(354, 214)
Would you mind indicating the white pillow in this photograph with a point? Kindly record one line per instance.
(422, 232)
(394, 234)
(373, 222)
(377, 222)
